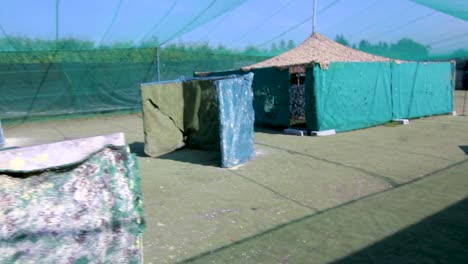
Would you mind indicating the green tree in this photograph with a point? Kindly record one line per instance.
(150, 43)
(221, 49)
(251, 50)
(73, 44)
(460, 53)
(342, 40)
(365, 45)
(406, 49)
(409, 49)
(282, 45)
(274, 49)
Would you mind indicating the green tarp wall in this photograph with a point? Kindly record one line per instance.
(349, 96)
(422, 89)
(177, 114)
(271, 88)
(271, 97)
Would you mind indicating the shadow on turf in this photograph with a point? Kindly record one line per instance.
(199, 157)
(268, 130)
(440, 238)
(465, 149)
(194, 156)
(137, 148)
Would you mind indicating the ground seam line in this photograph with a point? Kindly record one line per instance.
(409, 152)
(275, 191)
(373, 174)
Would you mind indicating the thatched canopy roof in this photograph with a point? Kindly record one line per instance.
(316, 49)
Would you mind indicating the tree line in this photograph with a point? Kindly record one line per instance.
(174, 59)
(405, 49)
(27, 50)
(42, 50)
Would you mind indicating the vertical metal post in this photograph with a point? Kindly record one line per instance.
(158, 63)
(314, 16)
(57, 5)
(464, 103)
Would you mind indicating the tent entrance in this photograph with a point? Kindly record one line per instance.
(297, 100)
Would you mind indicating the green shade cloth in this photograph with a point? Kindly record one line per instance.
(45, 90)
(456, 8)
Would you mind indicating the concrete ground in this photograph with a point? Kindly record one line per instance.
(392, 194)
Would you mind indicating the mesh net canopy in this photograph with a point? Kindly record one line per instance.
(63, 57)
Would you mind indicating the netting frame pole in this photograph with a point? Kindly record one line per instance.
(464, 103)
(314, 16)
(57, 6)
(158, 64)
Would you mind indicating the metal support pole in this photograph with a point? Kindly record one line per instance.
(464, 103)
(158, 63)
(314, 16)
(57, 25)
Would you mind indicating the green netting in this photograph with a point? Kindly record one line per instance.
(94, 81)
(422, 89)
(348, 96)
(69, 86)
(457, 8)
(75, 57)
(65, 25)
(84, 25)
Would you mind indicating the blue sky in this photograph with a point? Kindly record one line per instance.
(233, 23)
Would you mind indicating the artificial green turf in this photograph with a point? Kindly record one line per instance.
(425, 221)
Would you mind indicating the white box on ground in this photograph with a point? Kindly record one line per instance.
(401, 121)
(296, 132)
(454, 113)
(324, 133)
